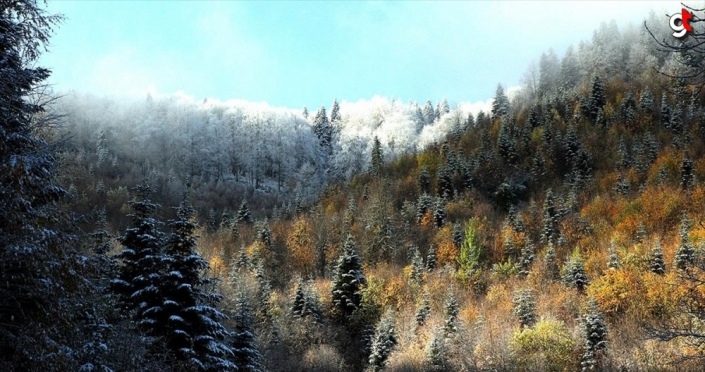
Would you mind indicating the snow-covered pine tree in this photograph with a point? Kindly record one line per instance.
(188, 321)
(550, 219)
(657, 264)
(247, 356)
(384, 341)
(377, 158)
(424, 309)
(574, 275)
(323, 129)
(138, 279)
(431, 258)
(598, 98)
(436, 358)
(429, 113)
(348, 280)
(685, 254)
(594, 336)
(500, 104)
(525, 308)
(424, 181)
(335, 112)
(452, 309)
(439, 213)
(243, 214)
(687, 173)
(417, 267)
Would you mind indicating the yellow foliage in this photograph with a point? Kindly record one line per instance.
(617, 290)
(301, 246)
(548, 346)
(446, 252)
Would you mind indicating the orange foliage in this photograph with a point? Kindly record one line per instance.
(617, 291)
(445, 251)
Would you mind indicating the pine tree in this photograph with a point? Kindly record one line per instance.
(348, 280)
(550, 219)
(424, 309)
(377, 158)
(641, 233)
(665, 112)
(458, 235)
(323, 129)
(384, 341)
(38, 273)
(528, 254)
(264, 235)
(424, 181)
(436, 358)
(187, 319)
(597, 97)
(138, 280)
(551, 262)
(452, 309)
(613, 262)
(304, 113)
(335, 112)
(428, 113)
(445, 182)
(247, 356)
(424, 204)
(431, 259)
(525, 308)
(574, 272)
(594, 336)
(646, 101)
(687, 176)
(417, 267)
(685, 254)
(657, 264)
(439, 214)
(500, 104)
(243, 214)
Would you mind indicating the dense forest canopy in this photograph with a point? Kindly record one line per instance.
(558, 228)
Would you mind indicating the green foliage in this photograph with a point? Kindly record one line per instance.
(348, 280)
(548, 346)
(470, 255)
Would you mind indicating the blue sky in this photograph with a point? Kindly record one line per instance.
(295, 54)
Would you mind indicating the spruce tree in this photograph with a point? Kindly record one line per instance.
(500, 104)
(439, 213)
(551, 262)
(657, 264)
(431, 259)
(187, 319)
(597, 97)
(685, 254)
(384, 341)
(348, 280)
(665, 112)
(525, 308)
(428, 113)
(436, 358)
(452, 309)
(687, 175)
(417, 267)
(138, 280)
(594, 336)
(243, 214)
(550, 219)
(574, 275)
(646, 101)
(424, 181)
(613, 262)
(247, 356)
(424, 309)
(323, 129)
(377, 158)
(335, 112)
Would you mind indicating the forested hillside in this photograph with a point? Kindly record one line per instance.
(560, 230)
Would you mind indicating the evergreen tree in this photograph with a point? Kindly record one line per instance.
(439, 214)
(247, 356)
(528, 254)
(306, 302)
(574, 272)
(443, 107)
(417, 267)
(550, 219)
(641, 233)
(436, 358)
(39, 277)
(646, 101)
(424, 309)
(424, 181)
(323, 129)
(594, 336)
(212, 221)
(304, 113)
(687, 176)
(335, 112)
(186, 319)
(377, 158)
(598, 99)
(264, 235)
(445, 182)
(657, 264)
(428, 113)
(138, 280)
(243, 214)
(458, 235)
(424, 204)
(384, 341)
(452, 309)
(613, 262)
(525, 308)
(665, 112)
(431, 259)
(685, 254)
(348, 280)
(500, 104)
(551, 262)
